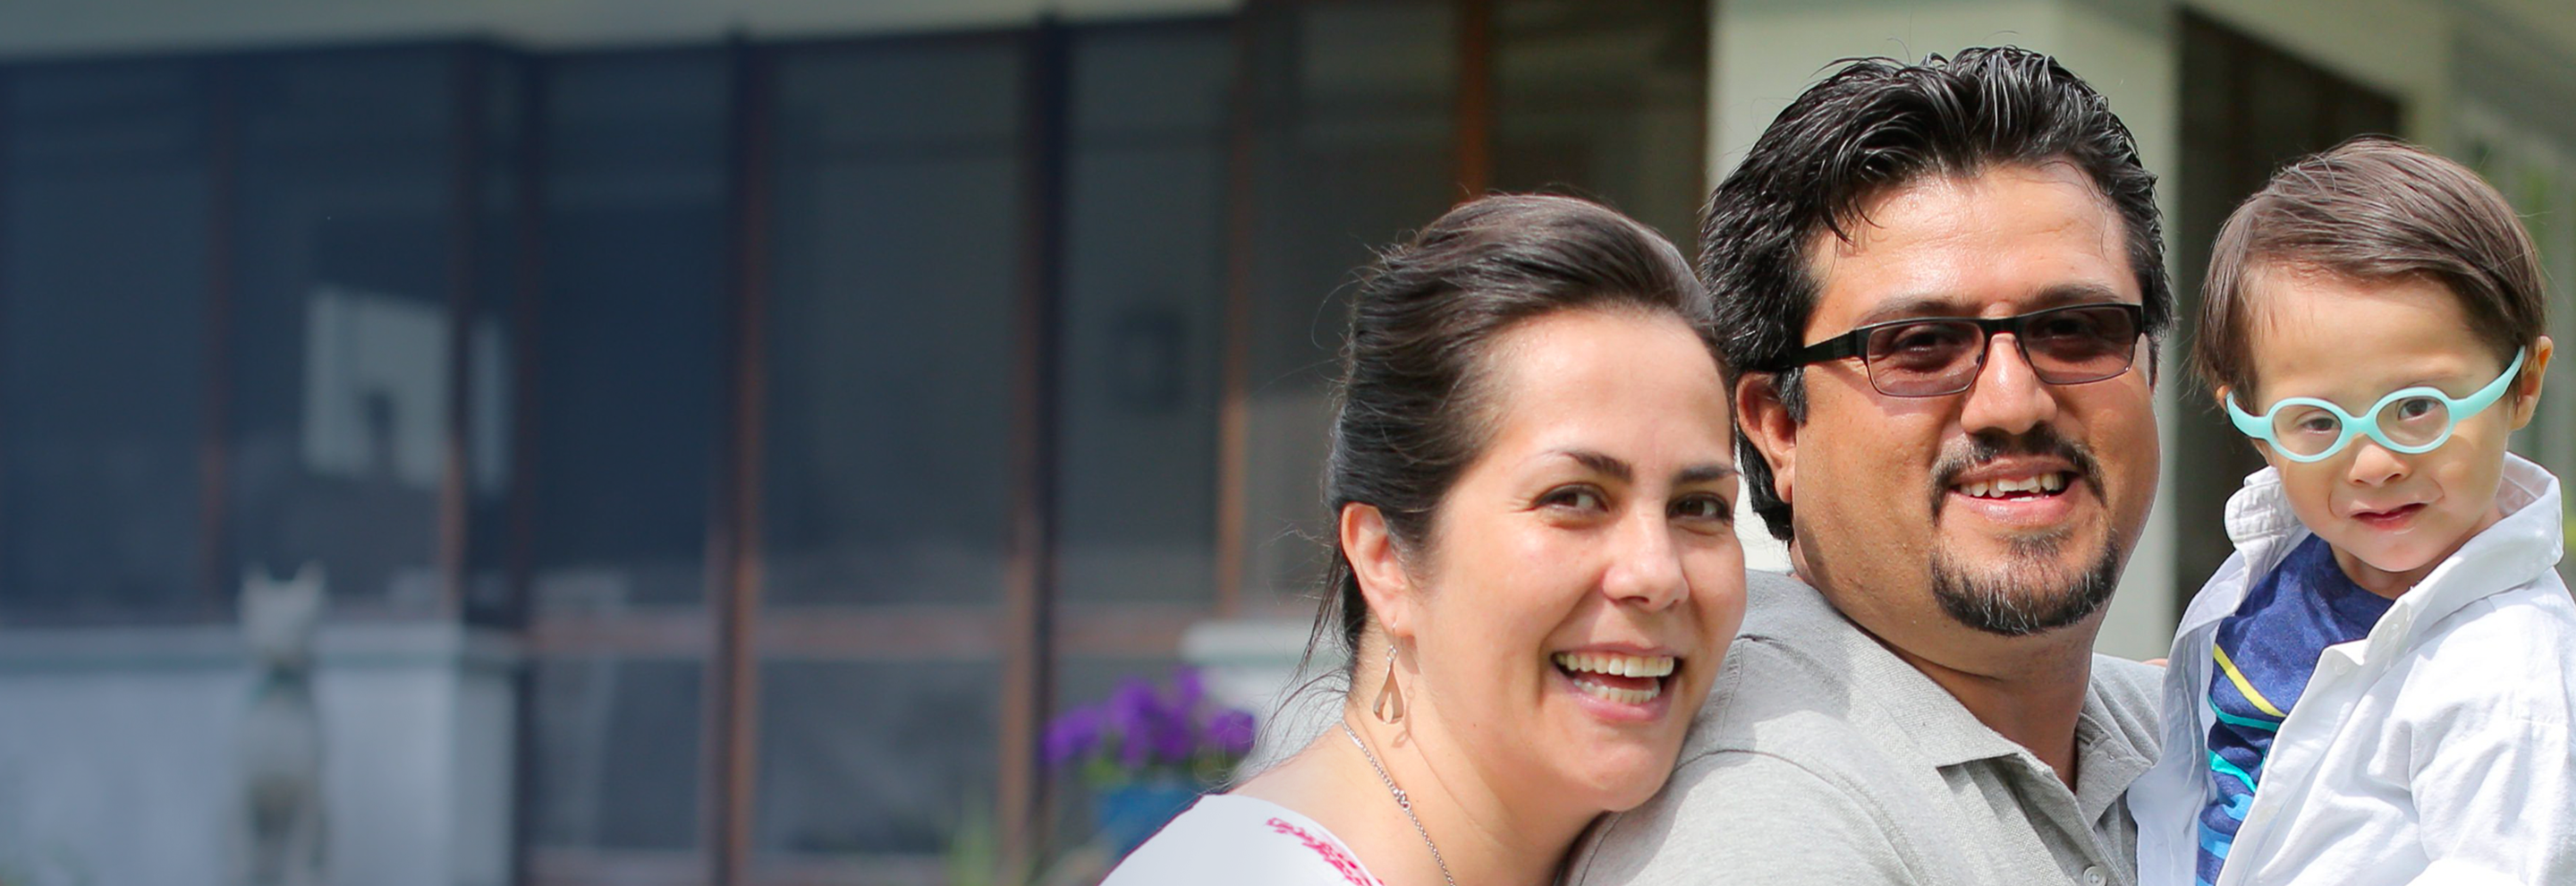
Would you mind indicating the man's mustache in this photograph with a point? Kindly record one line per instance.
(1984, 447)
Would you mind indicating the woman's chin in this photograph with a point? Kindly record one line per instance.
(1615, 776)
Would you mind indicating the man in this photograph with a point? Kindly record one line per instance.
(1940, 286)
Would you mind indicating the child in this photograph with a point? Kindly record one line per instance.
(2377, 687)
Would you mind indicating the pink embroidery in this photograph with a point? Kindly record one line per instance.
(1333, 855)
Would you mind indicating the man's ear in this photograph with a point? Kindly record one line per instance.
(1766, 423)
(2526, 390)
(1379, 567)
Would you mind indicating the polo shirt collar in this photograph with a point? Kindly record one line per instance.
(1936, 726)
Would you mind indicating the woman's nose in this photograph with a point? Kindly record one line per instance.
(1646, 568)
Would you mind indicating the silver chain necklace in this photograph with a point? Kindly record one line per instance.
(1401, 801)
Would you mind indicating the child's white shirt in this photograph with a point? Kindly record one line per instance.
(2437, 749)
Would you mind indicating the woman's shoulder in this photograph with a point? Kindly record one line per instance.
(1249, 842)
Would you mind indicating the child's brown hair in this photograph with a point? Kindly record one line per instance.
(2372, 209)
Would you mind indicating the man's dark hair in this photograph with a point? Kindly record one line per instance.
(1873, 126)
(2372, 209)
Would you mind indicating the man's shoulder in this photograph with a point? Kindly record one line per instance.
(2131, 691)
(1795, 748)
(2122, 717)
(1746, 816)
(1789, 686)
(1803, 684)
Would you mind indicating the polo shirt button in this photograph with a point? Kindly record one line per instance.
(2093, 876)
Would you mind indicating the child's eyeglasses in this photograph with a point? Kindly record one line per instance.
(2414, 420)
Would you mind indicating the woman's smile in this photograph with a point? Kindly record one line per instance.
(1618, 687)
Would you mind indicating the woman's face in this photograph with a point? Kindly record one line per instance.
(1583, 577)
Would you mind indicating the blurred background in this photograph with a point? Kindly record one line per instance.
(732, 430)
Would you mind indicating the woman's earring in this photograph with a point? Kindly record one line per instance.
(1390, 699)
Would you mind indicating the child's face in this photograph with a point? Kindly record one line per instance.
(2391, 517)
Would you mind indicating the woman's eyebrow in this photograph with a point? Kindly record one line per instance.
(1601, 463)
(1704, 473)
(1618, 469)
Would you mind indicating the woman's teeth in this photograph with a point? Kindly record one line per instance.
(1616, 664)
(1614, 693)
(1647, 670)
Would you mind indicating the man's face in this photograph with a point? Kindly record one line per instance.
(2008, 507)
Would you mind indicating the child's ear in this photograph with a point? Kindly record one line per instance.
(2218, 397)
(2526, 390)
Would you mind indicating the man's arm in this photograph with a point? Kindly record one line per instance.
(1743, 817)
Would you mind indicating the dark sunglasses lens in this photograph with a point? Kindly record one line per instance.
(1923, 359)
(2074, 345)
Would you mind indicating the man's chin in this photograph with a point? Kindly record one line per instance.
(2034, 585)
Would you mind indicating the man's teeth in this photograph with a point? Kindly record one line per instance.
(1616, 664)
(2049, 483)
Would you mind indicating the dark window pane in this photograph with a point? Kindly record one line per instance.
(897, 210)
(617, 753)
(1606, 99)
(2247, 107)
(492, 351)
(1144, 304)
(104, 350)
(631, 370)
(1355, 109)
(872, 759)
(340, 349)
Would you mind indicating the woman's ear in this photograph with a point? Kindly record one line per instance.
(1766, 423)
(1379, 567)
(2526, 390)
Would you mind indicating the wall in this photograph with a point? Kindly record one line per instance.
(118, 761)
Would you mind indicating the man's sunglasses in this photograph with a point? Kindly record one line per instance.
(1939, 356)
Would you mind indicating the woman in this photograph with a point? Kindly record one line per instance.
(1535, 565)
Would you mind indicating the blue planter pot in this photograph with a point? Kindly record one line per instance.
(1130, 813)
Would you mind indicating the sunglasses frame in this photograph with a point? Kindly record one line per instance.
(1855, 343)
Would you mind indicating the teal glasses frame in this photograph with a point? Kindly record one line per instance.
(2455, 409)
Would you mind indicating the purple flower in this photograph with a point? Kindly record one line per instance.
(1072, 735)
(1135, 714)
(1173, 742)
(1188, 689)
(1133, 705)
(1232, 730)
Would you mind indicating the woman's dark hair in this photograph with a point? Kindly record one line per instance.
(1411, 408)
(1876, 125)
(2372, 209)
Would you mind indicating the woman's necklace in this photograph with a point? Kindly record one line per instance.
(1401, 801)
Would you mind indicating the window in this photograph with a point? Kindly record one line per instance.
(2247, 108)
(628, 409)
(987, 364)
(103, 311)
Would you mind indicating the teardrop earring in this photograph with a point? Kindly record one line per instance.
(1389, 708)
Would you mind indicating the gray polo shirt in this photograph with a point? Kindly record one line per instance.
(1823, 758)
